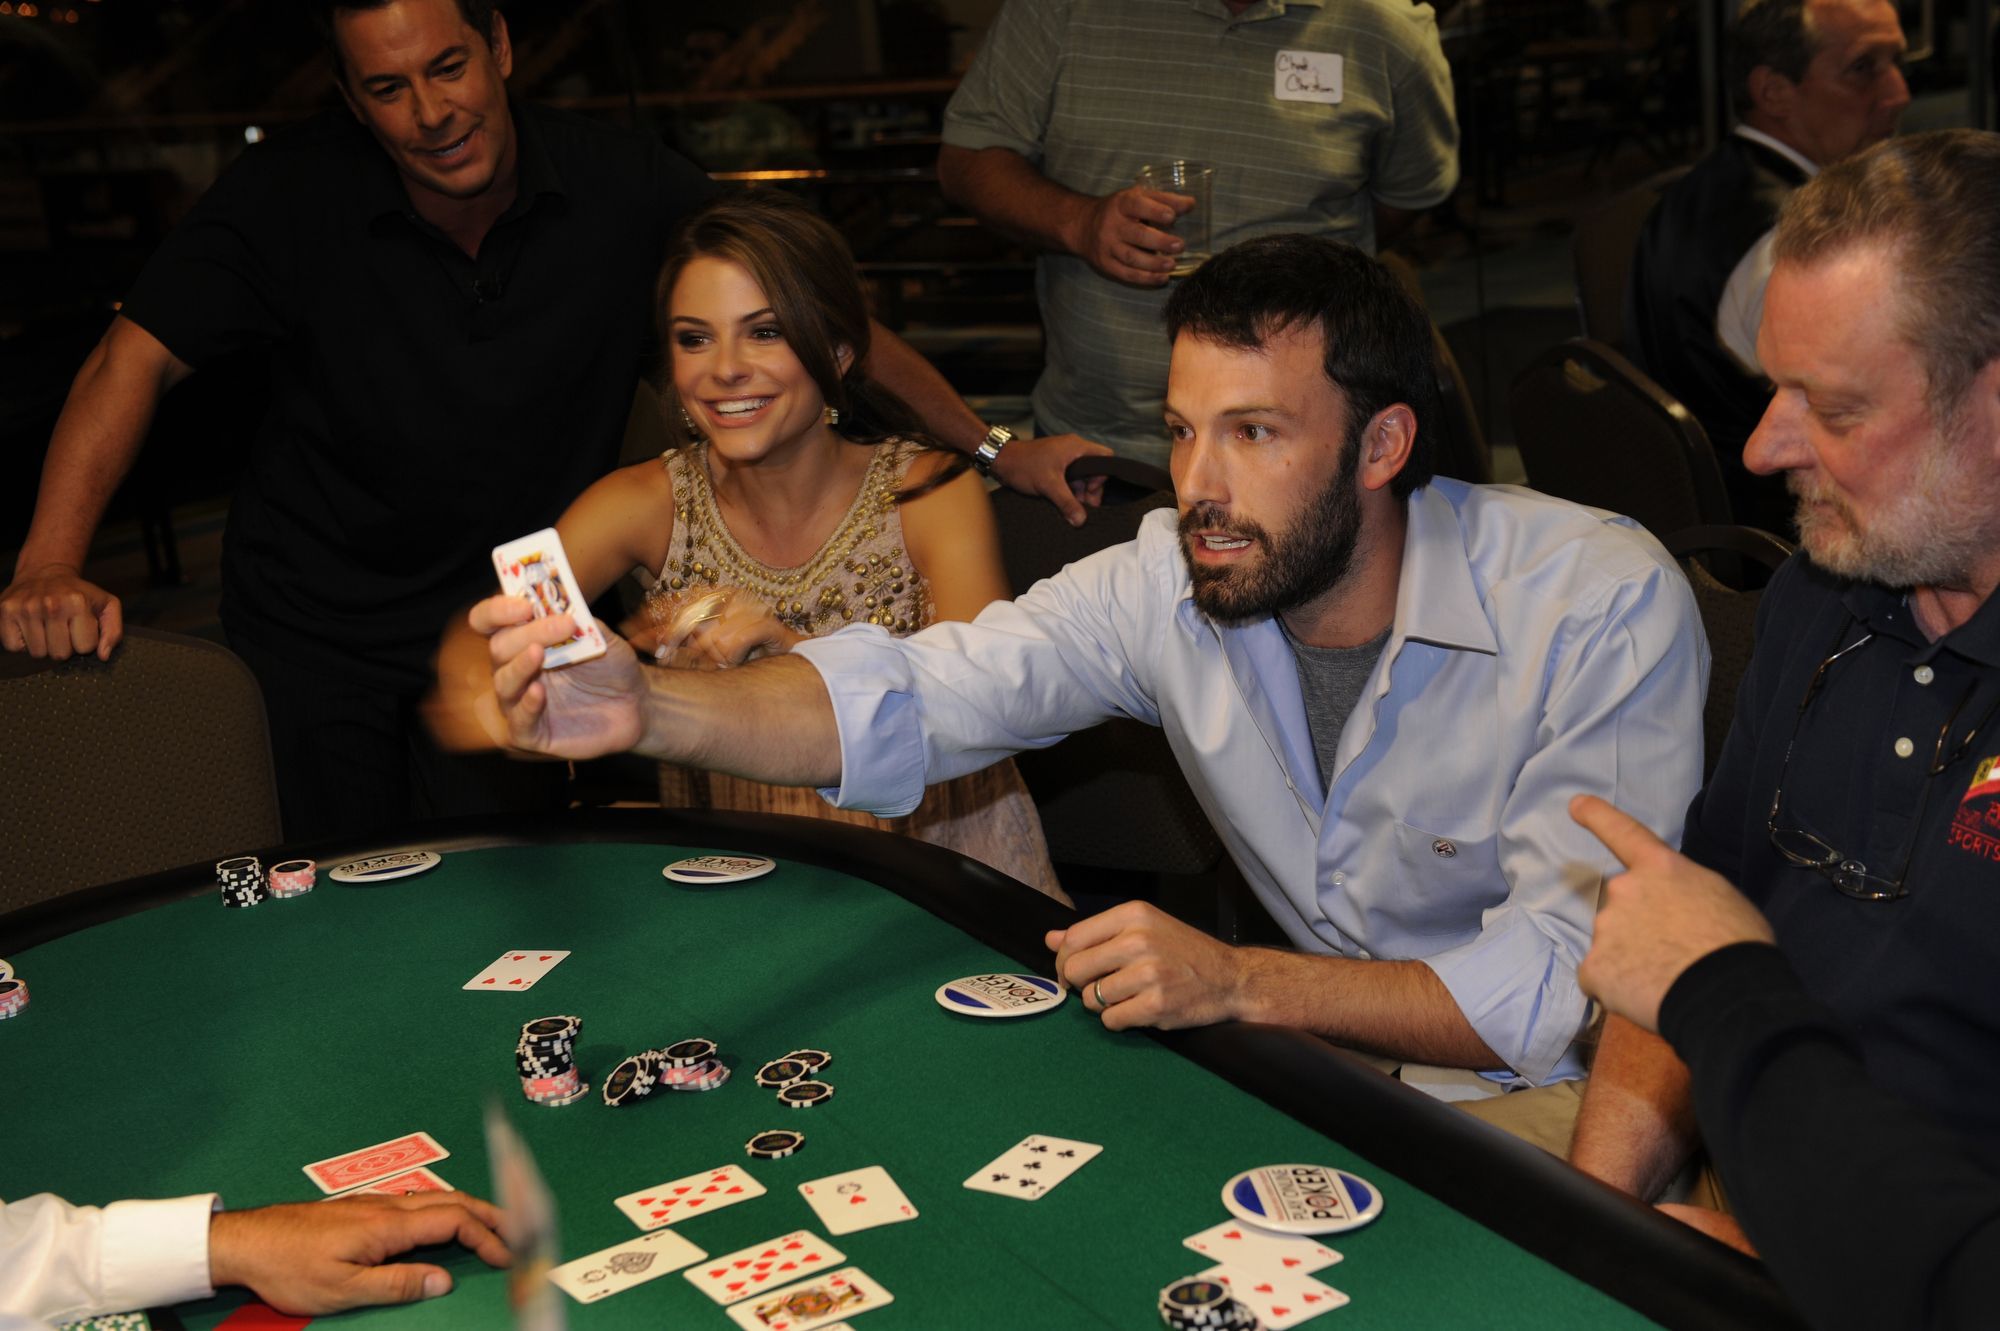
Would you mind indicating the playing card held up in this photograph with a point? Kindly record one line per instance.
(536, 569)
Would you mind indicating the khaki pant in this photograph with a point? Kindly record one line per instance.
(1546, 1117)
(1542, 1115)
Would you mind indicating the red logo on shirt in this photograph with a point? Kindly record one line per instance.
(1975, 828)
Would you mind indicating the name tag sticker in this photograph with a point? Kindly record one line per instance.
(1307, 76)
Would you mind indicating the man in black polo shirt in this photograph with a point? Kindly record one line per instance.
(457, 290)
(1857, 800)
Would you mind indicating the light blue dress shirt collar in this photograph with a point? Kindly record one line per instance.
(1436, 603)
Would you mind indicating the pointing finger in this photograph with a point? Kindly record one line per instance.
(1622, 834)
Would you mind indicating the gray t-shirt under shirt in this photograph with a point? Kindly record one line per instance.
(1331, 678)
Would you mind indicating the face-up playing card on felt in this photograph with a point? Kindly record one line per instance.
(1029, 1170)
(515, 972)
(1236, 1244)
(623, 1265)
(536, 569)
(812, 1305)
(697, 1194)
(370, 1164)
(858, 1199)
(763, 1266)
(1280, 1301)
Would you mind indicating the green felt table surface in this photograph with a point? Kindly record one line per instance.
(190, 1048)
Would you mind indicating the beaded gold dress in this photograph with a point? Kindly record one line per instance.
(862, 574)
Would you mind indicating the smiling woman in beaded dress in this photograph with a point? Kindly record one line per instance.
(805, 495)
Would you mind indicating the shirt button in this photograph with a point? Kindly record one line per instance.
(1904, 748)
(1925, 674)
(1339, 878)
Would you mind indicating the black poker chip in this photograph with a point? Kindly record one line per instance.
(782, 1072)
(775, 1144)
(629, 1081)
(1195, 1295)
(815, 1059)
(805, 1094)
(687, 1053)
(545, 1027)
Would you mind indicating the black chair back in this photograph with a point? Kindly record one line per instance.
(1728, 615)
(1601, 254)
(1592, 427)
(156, 758)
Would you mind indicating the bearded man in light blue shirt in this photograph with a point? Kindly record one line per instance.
(1384, 688)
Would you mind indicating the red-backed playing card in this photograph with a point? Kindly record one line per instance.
(371, 1163)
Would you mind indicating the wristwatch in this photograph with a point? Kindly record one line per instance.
(987, 454)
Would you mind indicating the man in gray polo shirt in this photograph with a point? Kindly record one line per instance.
(1332, 119)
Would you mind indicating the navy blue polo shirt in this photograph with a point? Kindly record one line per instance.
(426, 406)
(1917, 981)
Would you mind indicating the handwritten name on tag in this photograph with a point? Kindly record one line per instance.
(1307, 76)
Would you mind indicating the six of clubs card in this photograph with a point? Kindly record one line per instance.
(1030, 1169)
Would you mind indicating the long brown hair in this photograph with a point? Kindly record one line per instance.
(806, 272)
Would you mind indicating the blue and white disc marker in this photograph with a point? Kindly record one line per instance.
(1000, 995)
(1301, 1199)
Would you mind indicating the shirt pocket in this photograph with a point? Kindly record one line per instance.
(1451, 876)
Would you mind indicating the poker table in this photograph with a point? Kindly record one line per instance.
(173, 1046)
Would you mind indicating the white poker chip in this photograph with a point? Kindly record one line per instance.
(719, 868)
(386, 868)
(6, 970)
(1302, 1199)
(1001, 996)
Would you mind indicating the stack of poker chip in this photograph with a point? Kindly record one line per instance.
(293, 878)
(684, 1065)
(792, 1078)
(691, 1065)
(546, 1060)
(1206, 1304)
(13, 992)
(242, 881)
(634, 1079)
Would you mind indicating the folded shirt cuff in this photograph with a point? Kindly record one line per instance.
(156, 1252)
(1519, 994)
(882, 764)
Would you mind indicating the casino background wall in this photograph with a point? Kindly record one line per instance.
(116, 114)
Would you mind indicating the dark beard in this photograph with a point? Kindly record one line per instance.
(1304, 563)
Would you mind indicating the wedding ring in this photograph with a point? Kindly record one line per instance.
(1097, 989)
